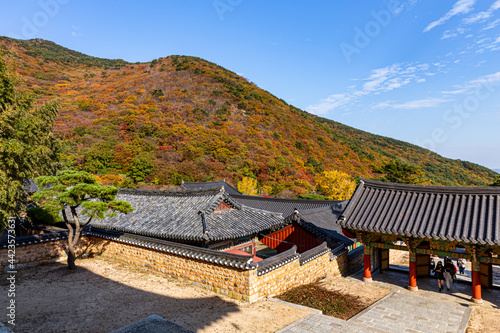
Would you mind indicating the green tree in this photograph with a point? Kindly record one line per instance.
(141, 168)
(80, 194)
(496, 182)
(396, 171)
(27, 146)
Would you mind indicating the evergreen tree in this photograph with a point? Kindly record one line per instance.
(396, 171)
(79, 194)
(27, 146)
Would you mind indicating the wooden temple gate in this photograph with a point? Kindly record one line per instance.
(482, 257)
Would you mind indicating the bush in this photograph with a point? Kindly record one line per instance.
(38, 215)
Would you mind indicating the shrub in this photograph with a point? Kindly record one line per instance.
(38, 215)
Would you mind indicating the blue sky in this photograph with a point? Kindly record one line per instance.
(422, 71)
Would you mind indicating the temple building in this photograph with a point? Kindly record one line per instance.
(457, 222)
(208, 218)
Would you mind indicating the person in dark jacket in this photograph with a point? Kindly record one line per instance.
(439, 274)
(450, 270)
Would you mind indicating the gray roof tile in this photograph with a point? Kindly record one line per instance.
(188, 215)
(323, 222)
(284, 206)
(209, 185)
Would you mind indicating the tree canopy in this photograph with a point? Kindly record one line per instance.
(336, 185)
(496, 182)
(79, 194)
(248, 186)
(397, 171)
(27, 145)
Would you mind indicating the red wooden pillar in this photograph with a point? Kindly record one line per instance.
(367, 277)
(476, 282)
(413, 272)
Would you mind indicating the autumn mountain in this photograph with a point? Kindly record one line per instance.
(183, 117)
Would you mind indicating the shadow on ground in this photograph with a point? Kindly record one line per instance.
(51, 298)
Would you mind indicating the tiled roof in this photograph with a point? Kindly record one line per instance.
(209, 185)
(323, 222)
(465, 214)
(30, 186)
(284, 206)
(189, 215)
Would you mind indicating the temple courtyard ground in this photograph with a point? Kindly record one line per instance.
(102, 295)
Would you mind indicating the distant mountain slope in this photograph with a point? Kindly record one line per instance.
(496, 170)
(183, 117)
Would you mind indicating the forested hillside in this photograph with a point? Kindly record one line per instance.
(183, 117)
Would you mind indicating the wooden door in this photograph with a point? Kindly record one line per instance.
(384, 259)
(423, 265)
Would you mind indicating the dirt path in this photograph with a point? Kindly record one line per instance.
(102, 295)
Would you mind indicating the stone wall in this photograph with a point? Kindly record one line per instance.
(294, 274)
(238, 283)
(35, 253)
(355, 261)
(229, 281)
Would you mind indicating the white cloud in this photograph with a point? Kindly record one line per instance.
(411, 105)
(460, 7)
(495, 5)
(490, 78)
(484, 15)
(379, 81)
(469, 86)
(492, 25)
(451, 34)
(478, 17)
(329, 103)
(454, 92)
(488, 44)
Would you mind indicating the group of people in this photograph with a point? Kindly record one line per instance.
(446, 273)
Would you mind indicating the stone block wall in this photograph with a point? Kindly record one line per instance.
(355, 261)
(294, 274)
(234, 282)
(229, 281)
(39, 253)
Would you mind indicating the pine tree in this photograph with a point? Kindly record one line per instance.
(79, 194)
(27, 146)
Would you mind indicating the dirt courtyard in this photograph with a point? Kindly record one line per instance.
(102, 295)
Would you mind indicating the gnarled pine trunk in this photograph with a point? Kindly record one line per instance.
(73, 236)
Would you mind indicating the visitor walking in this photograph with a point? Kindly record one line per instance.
(461, 266)
(450, 271)
(439, 274)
